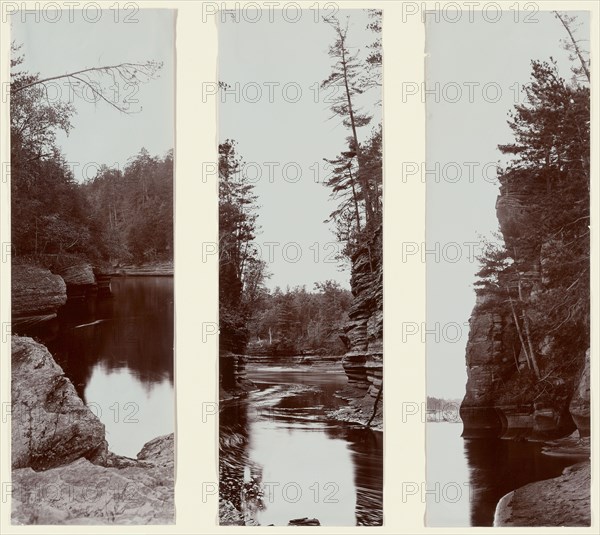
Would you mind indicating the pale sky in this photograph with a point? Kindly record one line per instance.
(289, 131)
(101, 134)
(464, 54)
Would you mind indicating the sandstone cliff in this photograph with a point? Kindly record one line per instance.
(363, 334)
(506, 396)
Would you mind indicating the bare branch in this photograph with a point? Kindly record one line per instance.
(576, 48)
(132, 74)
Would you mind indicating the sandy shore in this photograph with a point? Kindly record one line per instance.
(562, 501)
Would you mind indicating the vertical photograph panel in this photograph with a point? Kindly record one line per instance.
(92, 139)
(300, 267)
(508, 269)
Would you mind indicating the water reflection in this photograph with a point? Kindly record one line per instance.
(304, 464)
(118, 352)
(469, 476)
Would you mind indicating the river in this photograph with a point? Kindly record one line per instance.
(467, 477)
(296, 462)
(118, 353)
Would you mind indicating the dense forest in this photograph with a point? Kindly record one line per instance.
(299, 320)
(117, 216)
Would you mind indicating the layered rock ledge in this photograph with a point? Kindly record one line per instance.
(363, 335)
(37, 294)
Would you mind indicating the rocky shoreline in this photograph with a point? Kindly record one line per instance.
(62, 470)
(154, 269)
(39, 291)
(529, 371)
(359, 409)
(558, 502)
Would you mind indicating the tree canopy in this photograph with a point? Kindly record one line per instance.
(117, 216)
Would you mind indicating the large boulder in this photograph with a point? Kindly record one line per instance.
(51, 426)
(36, 294)
(62, 471)
(135, 492)
(559, 502)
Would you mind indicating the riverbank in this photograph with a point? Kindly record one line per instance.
(150, 269)
(560, 501)
(359, 403)
(359, 409)
(62, 470)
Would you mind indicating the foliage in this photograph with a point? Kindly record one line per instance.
(298, 321)
(241, 271)
(356, 178)
(116, 216)
(374, 59)
(134, 208)
(50, 211)
(540, 275)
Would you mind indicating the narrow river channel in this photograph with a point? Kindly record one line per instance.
(303, 463)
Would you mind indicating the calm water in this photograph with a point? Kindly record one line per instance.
(467, 478)
(306, 464)
(118, 352)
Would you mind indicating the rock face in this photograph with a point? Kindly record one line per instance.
(78, 275)
(136, 492)
(62, 470)
(363, 362)
(364, 331)
(561, 501)
(36, 294)
(79, 278)
(51, 426)
(580, 403)
(504, 396)
(232, 371)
